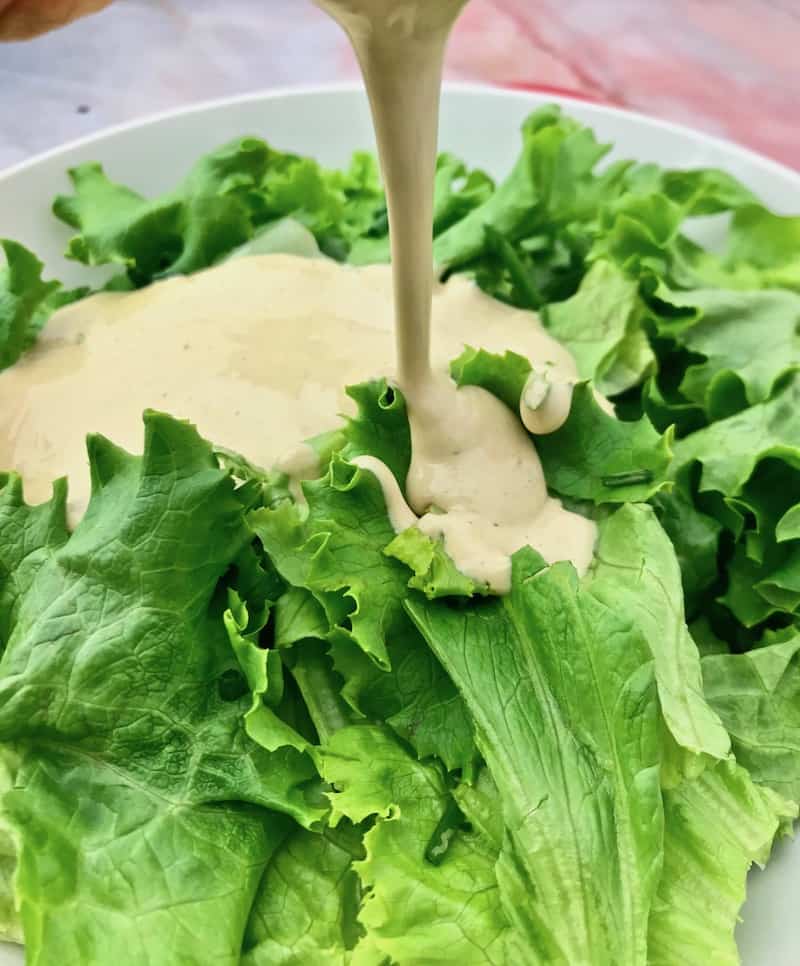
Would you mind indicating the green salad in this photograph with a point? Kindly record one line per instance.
(237, 728)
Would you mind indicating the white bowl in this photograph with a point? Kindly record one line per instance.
(478, 123)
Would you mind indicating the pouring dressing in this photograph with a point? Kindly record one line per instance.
(475, 479)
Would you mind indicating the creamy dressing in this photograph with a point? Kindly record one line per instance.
(471, 459)
(401, 516)
(256, 351)
(545, 401)
(478, 483)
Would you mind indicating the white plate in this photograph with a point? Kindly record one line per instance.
(480, 124)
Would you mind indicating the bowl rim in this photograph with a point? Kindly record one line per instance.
(529, 93)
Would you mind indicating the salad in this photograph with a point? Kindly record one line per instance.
(241, 727)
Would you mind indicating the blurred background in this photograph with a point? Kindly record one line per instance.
(729, 67)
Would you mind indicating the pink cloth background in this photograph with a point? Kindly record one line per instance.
(730, 67)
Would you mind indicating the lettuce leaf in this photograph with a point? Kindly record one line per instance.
(433, 895)
(134, 766)
(10, 925)
(601, 325)
(28, 536)
(551, 675)
(561, 689)
(457, 190)
(527, 242)
(434, 572)
(695, 538)
(305, 909)
(335, 550)
(730, 449)
(715, 828)
(749, 468)
(636, 570)
(126, 873)
(752, 338)
(218, 207)
(206, 216)
(767, 241)
(415, 697)
(706, 191)
(502, 375)
(26, 301)
(757, 695)
(380, 428)
(596, 457)
(552, 180)
(263, 671)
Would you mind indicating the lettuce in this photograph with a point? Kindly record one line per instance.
(29, 536)
(133, 764)
(10, 926)
(562, 692)
(305, 907)
(636, 569)
(495, 781)
(743, 473)
(757, 696)
(457, 191)
(335, 551)
(748, 341)
(598, 863)
(601, 326)
(432, 890)
(26, 301)
(220, 206)
(768, 242)
(715, 828)
(238, 727)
